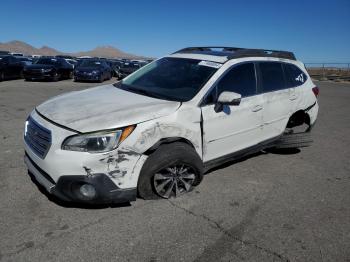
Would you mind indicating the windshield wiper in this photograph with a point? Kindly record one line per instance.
(141, 91)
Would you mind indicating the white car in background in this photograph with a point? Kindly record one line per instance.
(156, 132)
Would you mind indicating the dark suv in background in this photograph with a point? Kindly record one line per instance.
(49, 68)
(11, 67)
(96, 70)
(128, 67)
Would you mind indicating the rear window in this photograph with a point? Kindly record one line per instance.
(272, 77)
(294, 76)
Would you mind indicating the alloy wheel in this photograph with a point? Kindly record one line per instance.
(174, 180)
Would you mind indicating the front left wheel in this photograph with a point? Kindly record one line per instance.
(172, 170)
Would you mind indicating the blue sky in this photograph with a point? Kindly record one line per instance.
(317, 31)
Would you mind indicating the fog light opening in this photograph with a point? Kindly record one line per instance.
(87, 191)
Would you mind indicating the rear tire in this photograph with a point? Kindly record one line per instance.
(172, 170)
(2, 76)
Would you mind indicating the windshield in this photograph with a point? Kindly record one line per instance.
(175, 79)
(88, 63)
(47, 61)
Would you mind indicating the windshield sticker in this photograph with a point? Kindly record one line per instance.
(210, 64)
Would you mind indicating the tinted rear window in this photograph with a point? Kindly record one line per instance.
(272, 77)
(294, 76)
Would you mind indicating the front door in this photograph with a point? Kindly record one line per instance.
(235, 127)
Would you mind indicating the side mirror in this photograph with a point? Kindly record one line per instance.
(227, 98)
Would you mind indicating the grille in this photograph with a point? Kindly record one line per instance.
(37, 137)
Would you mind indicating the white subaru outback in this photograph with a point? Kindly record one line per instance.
(156, 132)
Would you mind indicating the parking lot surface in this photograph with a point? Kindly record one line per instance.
(269, 207)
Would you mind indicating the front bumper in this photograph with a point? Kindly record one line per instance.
(38, 75)
(85, 76)
(66, 188)
(122, 166)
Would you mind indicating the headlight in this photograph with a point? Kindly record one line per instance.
(95, 72)
(97, 142)
(47, 70)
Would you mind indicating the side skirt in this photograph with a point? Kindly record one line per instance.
(241, 153)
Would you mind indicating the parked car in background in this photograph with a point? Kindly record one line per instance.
(49, 68)
(73, 62)
(92, 70)
(11, 67)
(115, 66)
(25, 60)
(127, 68)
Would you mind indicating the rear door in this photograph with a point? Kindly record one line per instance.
(295, 80)
(236, 127)
(276, 98)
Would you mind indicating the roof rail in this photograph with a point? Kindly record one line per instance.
(238, 52)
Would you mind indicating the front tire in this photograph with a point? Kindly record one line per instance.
(172, 170)
(56, 77)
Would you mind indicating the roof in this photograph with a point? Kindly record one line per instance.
(223, 54)
(213, 58)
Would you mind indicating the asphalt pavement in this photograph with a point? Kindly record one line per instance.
(291, 206)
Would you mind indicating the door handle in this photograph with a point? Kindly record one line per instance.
(293, 97)
(257, 108)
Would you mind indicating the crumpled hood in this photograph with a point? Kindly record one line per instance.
(104, 107)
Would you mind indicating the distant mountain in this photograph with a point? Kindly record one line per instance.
(101, 51)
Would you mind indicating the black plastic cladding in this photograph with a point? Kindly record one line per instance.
(237, 52)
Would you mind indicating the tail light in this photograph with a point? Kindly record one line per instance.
(316, 90)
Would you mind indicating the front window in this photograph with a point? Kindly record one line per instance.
(175, 79)
(90, 63)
